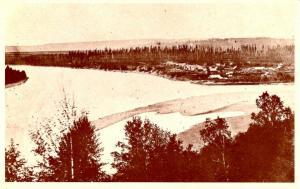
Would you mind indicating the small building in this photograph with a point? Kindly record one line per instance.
(213, 68)
(229, 74)
(279, 66)
(215, 76)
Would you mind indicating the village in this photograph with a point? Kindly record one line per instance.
(232, 72)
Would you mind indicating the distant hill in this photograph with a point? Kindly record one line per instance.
(115, 44)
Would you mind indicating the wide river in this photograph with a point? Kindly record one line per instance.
(103, 93)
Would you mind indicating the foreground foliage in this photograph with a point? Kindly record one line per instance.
(15, 168)
(265, 153)
(79, 155)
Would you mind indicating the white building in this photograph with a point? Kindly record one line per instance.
(215, 76)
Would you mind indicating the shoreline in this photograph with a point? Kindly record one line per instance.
(197, 82)
(16, 83)
(190, 106)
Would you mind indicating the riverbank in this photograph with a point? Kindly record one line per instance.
(191, 106)
(208, 82)
(240, 83)
(14, 77)
(167, 76)
(16, 83)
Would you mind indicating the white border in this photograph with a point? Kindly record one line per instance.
(5, 7)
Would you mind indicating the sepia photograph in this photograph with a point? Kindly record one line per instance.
(200, 92)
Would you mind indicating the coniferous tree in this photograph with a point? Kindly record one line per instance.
(47, 137)
(68, 147)
(15, 168)
(79, 155)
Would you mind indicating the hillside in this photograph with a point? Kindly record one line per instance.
(116, 44)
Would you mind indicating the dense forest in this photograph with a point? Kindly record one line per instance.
(190, 61)
(264, 153)
(14, 76)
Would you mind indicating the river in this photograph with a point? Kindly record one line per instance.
(114, 94)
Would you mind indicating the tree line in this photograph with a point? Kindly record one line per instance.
(264, 153)
(152, 56)
(14, 76)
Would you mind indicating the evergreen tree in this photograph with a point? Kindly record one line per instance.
(15, 169)
(68, 147)
(79, 154)
(47, 137)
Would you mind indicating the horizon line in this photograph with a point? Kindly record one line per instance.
(143, 39)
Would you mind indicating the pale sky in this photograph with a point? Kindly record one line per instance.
(33, 24)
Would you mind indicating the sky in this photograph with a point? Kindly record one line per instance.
(33, 24)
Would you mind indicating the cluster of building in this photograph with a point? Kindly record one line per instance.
(185, 66)
(222, 71)
(216, 71)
